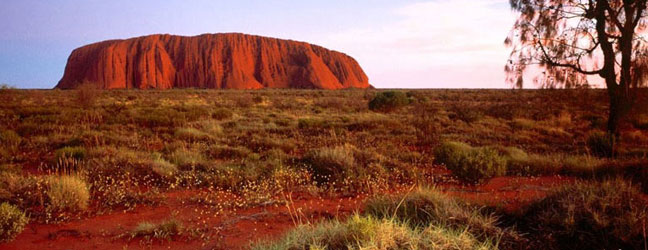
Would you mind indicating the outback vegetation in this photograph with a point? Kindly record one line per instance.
(306, 169)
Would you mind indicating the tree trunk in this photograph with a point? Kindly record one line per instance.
(614, 115)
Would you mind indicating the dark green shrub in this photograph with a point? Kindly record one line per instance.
(388, 101)
(601, 144)
(12, 221)
(590, 215)
(470, 164)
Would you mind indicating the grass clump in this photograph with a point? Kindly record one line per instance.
(191, 134)
(164, 230)
(601, 144)
(360, 232)
(590, 215)
(332, 163)
(222, 114)
(163, 168)
(9, 138)
(78, 153)
(472, 165)
(12, 221)
(68, 192)
(388, 101)
(425, 206)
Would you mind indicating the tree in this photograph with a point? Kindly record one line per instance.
(571, 40)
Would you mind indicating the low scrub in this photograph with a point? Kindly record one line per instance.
(469, 164)
(370, 233)
(12, 221)
(590, 215)
(68, 193)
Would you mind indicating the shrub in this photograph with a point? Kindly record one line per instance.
(5, 86)
(309, 123)
(86, 94)
(425, 206)
(601, 144)
(466, 113)
(191, 134)
(12, 221)
(68, 193)
(470, 164)
(163, 168)
(520, 163)
(186, 159)
(78, 153)
(164, 230)
(388, 101)
(9, 138)
(222, 114)
(370, 233)
(590, 215)
(332, 163)
(227, 152)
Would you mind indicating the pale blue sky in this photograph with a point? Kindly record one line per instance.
(404, 43)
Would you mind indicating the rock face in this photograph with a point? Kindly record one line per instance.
(235, 61)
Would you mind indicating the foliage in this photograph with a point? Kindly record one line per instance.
(590, 215)
(86, 94)
(571, 40)
(601, 144)
(470, 164)
(71, 152)
(371, 233)
(68, 193)
(163, 230)
(12, 221)
(388, 101)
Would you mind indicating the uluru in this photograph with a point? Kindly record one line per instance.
(213, 61)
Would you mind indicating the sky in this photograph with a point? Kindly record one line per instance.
(399, 43)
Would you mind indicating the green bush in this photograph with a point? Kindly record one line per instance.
(379, 234)
(601, 144)
(68, 193)
(78, 153)
(12, 221)
(469, 164)
(388, 101)
(590, 215)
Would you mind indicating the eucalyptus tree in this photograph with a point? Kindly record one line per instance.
(573, 41)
